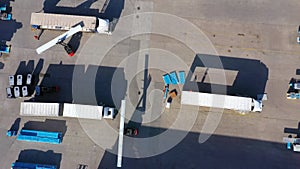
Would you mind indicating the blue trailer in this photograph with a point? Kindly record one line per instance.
(21, 165)
(40, 136)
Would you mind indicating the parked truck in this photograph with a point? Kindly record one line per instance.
(66, 110)
(66, 22)
(237, 103)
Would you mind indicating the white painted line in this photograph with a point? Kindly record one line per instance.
(62, 37)
(121, 134)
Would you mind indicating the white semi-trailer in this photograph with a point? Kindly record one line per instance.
(66, 110)
(66, 22)
(237, 103)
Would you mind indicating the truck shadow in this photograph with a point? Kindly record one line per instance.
(47, 125)
(40, 157)
(250, 79)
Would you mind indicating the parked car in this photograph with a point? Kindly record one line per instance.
(39, 90)
(28, 79)
(9, 92)
(24, 91)
(11, 80)
(17, 91)
(19, 80)
(130, 131)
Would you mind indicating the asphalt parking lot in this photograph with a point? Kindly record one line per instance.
(256, 38)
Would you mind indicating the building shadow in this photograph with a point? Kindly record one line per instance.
(218, 151)
(251, 78)
(40, 157)
(91, 85)
(50, 6)
(47, 125)
(8, 28)
(112, 9)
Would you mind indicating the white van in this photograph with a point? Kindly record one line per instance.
(19, 80)
(17, 91)
(28, 79)
(11, 80)
(9, 92)
(24, 91)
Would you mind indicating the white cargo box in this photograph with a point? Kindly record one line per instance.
(82, 111)
(216, 101)
(39, 109)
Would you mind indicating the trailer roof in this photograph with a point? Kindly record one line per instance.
(216, 101)
(82, 111)
(62, 20)
(39, 109)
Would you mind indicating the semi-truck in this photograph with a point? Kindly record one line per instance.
(66, 110)
(66, 22)
(237, 103)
